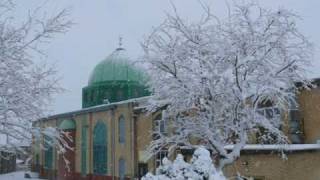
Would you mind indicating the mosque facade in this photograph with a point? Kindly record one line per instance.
(112, 130)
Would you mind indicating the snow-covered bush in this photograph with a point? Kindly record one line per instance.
(201, 167)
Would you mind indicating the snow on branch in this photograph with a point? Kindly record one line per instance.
(213, 77)
(26, 86)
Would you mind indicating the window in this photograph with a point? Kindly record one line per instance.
(159, 157)
(122, 129)
(135, 92)
(85, 95)
(122, 169)
(92, 96)
(295, 129)
(120, 95)
(270, 112)
(160, 125)
(37, 159)
(100, 149)
(106, 97)
(48, 154)
(273, 114)
(142, 169)
(84, 150)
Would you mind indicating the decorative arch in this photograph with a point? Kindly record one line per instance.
(100, 148)
(122, 129)
(67, 124)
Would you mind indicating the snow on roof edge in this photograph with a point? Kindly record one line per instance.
(271, 147)
(284, 147)
(94, 108)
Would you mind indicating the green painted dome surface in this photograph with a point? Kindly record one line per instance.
(115, 67)
(114, 79)
(67, 124)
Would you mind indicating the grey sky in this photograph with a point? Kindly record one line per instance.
(101, 22)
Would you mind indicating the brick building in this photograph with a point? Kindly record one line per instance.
(111, 131)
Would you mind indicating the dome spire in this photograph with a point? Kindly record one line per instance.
(120, 41)
(120, 44)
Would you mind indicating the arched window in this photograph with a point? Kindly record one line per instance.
(100, 149)
(122, 169)
(122, 129)
(48, 154)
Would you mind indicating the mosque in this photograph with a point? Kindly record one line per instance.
(111, 131)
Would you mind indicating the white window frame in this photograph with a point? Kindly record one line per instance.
(159, 157)
(158, 124)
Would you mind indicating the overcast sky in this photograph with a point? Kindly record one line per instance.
(99, 23)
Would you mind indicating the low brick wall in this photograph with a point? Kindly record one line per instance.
(270, 166)
(53, 175)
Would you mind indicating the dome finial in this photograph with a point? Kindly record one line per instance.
(120, 41)
(120, 44)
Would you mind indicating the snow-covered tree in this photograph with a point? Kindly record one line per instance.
(26, 83)
(213, 75)
(201, 167)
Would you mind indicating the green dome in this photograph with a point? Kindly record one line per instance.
(115, 67)
(114, 79)
(67, 125)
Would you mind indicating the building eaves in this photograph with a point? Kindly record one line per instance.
(98, 108)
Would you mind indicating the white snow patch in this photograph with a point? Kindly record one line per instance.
(19, 175)
(201, 167)
(19, 161)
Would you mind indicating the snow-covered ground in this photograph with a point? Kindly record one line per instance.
(19, 175)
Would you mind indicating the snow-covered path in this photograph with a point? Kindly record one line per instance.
(19, 175)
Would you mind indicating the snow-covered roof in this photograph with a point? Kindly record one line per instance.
(270, 147)
(277, 147)
(141, 100)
